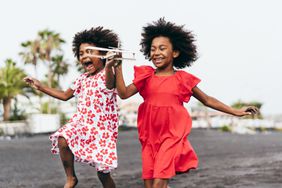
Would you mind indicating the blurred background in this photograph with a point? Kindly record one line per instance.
(238, 42)
(240, 63)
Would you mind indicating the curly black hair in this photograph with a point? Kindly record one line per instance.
(97, 36)
(181, 40)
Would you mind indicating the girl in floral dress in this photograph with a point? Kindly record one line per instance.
(163, 122)
(91, 134)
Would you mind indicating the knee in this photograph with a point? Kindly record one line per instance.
(62, 143)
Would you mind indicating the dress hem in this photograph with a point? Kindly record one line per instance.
(55, 147)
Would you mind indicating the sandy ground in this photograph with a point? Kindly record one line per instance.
(226, 160)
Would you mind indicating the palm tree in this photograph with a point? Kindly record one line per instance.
(60, 67)
(30, 53)
(11, 85)
(50, 44)
(46, 48)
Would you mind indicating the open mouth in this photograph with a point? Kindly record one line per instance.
(88, 65)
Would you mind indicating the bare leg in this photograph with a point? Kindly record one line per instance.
(106, 180)
(67, 160)
(148, 183)
(160, 183)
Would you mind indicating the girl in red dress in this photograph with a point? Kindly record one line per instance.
(91, 134)
(163, 121)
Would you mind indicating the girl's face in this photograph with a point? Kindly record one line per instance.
(162, 53)
(91, 64)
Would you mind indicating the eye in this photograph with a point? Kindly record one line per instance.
(89, 51)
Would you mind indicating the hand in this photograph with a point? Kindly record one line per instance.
(112, 61)
(32, 82)
(248, 110)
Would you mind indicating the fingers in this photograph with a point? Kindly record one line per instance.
(111, 55)
(117, 63)
(28, 80)
(31, 82)
(113, 59)
(110, 62)
(252, 110)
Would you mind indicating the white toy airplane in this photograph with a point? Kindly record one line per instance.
(115, 51)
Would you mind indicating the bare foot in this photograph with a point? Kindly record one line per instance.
(71, 182)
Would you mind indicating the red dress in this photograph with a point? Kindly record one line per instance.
(164, 123)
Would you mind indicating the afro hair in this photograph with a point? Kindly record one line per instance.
(98, 36)
(181, 40)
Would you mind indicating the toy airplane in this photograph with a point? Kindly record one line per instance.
(115, 51)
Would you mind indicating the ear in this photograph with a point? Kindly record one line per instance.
(175, 53)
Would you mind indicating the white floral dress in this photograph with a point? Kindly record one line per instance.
(92, 131)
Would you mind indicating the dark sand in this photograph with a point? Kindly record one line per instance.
(226, 160)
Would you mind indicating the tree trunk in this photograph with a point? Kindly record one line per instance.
(7, 108)
(49, 85)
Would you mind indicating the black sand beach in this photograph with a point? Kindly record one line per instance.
(226, 160)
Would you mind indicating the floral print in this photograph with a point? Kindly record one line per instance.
(92, 131)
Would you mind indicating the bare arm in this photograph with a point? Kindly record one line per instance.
(62, 95)
(218, 105)
(124, 92)
(110, 77)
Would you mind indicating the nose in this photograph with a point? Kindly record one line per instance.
(156, 52)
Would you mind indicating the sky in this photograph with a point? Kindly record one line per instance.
(239, 41)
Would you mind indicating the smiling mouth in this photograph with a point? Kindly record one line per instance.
(158, 60)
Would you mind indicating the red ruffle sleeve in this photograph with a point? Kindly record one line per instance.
(141, 74)
(189, 81)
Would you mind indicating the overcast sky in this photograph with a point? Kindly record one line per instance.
(239, 41)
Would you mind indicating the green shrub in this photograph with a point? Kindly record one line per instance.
(226, 128)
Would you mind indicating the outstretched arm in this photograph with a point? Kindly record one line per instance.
(218, 105)
(62, 95)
